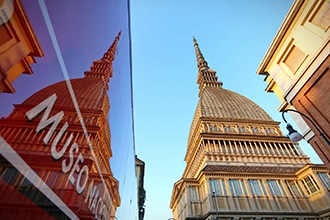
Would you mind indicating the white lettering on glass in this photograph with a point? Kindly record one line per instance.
(59, 154)
(73, 165)
(97, 204)
(45, 121)
(81, 187)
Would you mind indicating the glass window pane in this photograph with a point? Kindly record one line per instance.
(325, 179)
(294, 188)
(193, 193)
(256, 187)
(237, 187)
(217, 187)
(275, 188)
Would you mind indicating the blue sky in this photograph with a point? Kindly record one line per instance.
(233, 36)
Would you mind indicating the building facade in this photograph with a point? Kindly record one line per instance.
(58, 158)
(18, 44)
(240, 166)
(66, 138)
(296, 68)
(140, 166)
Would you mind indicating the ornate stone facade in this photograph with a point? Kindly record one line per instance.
(239, 165)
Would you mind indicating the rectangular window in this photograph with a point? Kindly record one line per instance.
(300, 151)
(217, 187)
(294, 188)
(237, 187)
(10, 175)
(193, 191)
(275, 187)
(325, 180)
(284, 148)
(257, 188)
(310, 184)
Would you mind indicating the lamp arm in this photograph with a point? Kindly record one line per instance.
(283, 116)
(321, 134)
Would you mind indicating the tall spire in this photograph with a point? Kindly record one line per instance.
(103, 68)
(206, 76)
(201, 63)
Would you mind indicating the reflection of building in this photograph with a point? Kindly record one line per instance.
(63, 146)
(140, 183)
(296, 67)
(240, 166)
(18, 45)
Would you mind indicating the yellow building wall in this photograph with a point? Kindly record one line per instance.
(298, 50)
(299, 45)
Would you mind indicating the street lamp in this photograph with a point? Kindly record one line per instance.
(294, 135)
